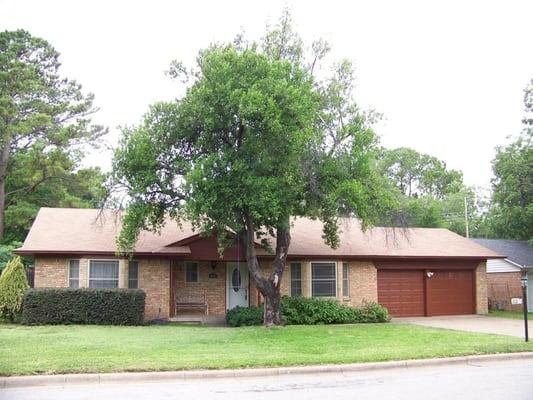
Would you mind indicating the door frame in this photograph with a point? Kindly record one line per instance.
(227, 286)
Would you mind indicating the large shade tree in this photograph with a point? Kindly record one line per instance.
(44, 117)
(256, 139)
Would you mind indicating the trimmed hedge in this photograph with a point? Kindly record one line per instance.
(311, 311)
(244, 316)
(83, 306)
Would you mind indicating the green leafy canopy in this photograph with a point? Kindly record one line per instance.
(256, 136)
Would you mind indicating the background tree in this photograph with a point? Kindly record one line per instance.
(255, 141)
(416, 174)
(44, 118)
(511, 214)
(13, 285)
(69, 187)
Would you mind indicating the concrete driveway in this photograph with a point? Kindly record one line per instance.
(472, 323)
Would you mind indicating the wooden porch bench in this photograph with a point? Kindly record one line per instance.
(192, 303)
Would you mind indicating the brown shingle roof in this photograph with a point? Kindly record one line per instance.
(66, 230)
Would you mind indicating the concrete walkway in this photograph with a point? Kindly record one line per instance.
(472, 323)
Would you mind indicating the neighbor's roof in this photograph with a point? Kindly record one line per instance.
(65, 230)
(517, 251)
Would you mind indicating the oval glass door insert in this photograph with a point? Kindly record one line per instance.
(236, 279)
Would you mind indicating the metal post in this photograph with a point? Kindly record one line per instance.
(524, 306)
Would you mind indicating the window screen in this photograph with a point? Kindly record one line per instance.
(296, 279)
(324, 283)
(133, 275)
(103, 274)
(74, 274)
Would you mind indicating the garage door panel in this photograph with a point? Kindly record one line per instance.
(450, 293)
(402, 292)
(408, 293)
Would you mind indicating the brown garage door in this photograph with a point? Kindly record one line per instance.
(450, 293)
(402, 292)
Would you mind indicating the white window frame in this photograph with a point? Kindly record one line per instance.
(336, 278)
(346, 278)
(138, 267)
(101, 259)
(79, 268)
(197, 271)
(301, 277)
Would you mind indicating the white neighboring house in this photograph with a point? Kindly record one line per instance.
(503, 275)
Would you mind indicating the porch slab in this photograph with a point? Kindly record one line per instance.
(212, 320)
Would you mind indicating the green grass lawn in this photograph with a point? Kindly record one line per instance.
(61, 349)
(510, 314)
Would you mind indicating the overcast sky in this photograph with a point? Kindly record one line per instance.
(448, 76)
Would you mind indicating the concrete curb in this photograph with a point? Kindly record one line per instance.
(136, 377)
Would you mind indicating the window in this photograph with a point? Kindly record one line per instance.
(323, 279)
(74, 274)
(345, 281)
(133, 275)
(103, 273)
(191, 272)
(296, 279)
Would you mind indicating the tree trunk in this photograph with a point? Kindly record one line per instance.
(272, 310)
(4, 159)
(269, 287)
(2, 206)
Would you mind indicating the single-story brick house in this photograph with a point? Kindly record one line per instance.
(414, 272)
(504, 275)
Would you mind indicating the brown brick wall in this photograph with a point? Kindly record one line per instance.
(482, 306)
(213, 287)
(363, 283)
(154, 279)
(502, 286)
(51, 272)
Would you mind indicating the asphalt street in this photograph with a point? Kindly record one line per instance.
(481, 380)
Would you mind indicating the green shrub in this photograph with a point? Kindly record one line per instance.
(245, 316)
(83, 306)
(311, 311)
(372, 312)
(13, 285)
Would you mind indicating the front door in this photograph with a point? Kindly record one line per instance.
(237, 285)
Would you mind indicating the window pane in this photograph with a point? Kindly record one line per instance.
(133, 270)
(103, 274)
(133, 275)
(191, 273)
(296, 288)
(324, 288)
(296, 279)
(103, 284)
(345, 281)
(104, 270)
(74, 269)
(324, 283)
(74, 274)
(323, 270)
